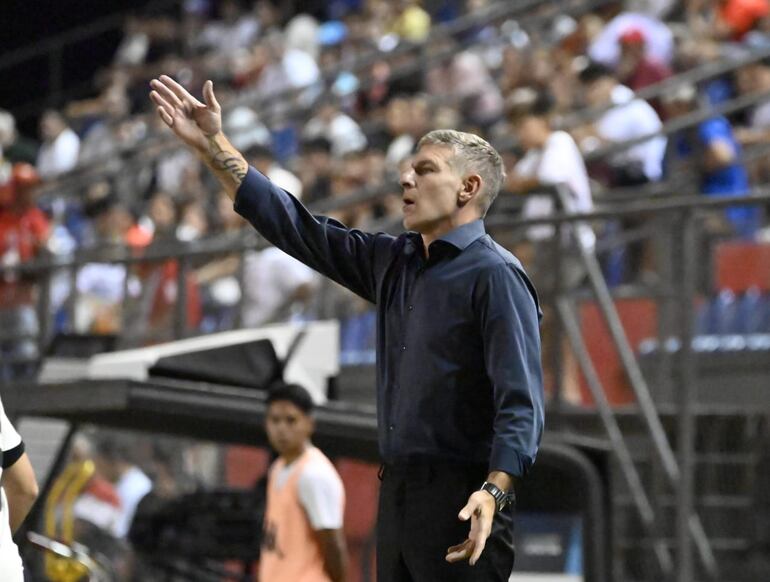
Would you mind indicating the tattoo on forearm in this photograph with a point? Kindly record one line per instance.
(226, 161)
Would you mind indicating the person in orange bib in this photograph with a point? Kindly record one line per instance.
(302, 539)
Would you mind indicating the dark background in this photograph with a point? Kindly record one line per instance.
(25, 87)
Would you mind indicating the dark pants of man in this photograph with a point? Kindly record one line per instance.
(417, 521)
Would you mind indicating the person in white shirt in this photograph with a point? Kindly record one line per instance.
(18, 495)
(275, 287)
(262, 158)
(131, 484)
(303, 537)
(552, 158)
(629, 118)
(61, 146)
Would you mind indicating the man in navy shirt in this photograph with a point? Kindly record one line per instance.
(459, 382)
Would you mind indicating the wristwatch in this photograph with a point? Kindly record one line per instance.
(502, 499)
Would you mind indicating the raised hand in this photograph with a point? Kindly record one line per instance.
(195, 123)
(199, 125)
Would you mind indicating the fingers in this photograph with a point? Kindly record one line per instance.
(467, 511)
(167, 119)
(459, 552)
(167, 94)
(179, 91)
(209, 97)
(165, 110)
(479, 534)
(478, 547)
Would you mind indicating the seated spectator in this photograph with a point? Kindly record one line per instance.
(113, 461)
(659, 40)
(315, 167)
(627, 119)
(341, 130)
(276, 288)
(734, 19)
(24, 231)
(552, 158)
(60, 148)
(14, 147)
(711, 156)
(262, 158)
(413, 22)
(636, 69)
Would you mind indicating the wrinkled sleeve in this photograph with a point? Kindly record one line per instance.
(348, 256)
(510, 319)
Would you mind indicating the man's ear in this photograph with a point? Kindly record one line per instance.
(471, 187)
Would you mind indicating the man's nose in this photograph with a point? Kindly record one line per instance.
(407, 179)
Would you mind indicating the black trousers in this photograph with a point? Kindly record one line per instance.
(417, 521)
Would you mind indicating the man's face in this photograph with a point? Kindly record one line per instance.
(529, 132)
(430, 188)
(288, 428)
(597, 93)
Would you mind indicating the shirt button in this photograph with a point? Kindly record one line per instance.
(391, 427)
(411, 308)
(403, 348)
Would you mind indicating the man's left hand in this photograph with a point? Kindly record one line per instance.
(480, 509)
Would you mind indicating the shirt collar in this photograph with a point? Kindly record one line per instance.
(462, 236)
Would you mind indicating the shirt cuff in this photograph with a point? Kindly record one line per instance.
(509, 461)
(12, 455)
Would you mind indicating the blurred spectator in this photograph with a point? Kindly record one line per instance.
(220, 290)
(24, 231)
(755, 78)
(101, 287)
(13, 146)
(710, 155)
(113, 461)
(659, 41)
(193, 222)
(407, 119)
(413, 23)
(98, 503)
(315, 167)
(60, 148)
(262, 158)
(637, 70)
(736, 18)
(479, 95)
(552, 158)
(276, 287)
(343, 133)
(230, 32)
(627, 118)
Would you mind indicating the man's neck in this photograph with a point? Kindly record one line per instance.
(290, 456)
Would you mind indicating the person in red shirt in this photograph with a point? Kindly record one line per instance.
(24, 231)
(636, 69)
(736, 18)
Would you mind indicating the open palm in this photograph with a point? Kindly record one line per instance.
(192, 121)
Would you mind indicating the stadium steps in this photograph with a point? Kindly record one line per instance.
(725, 489)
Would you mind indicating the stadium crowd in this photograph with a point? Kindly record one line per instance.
(328, 127)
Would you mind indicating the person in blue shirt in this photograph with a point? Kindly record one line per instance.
(711, 145)
(459, 381)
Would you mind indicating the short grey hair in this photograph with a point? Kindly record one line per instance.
(472, 154)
